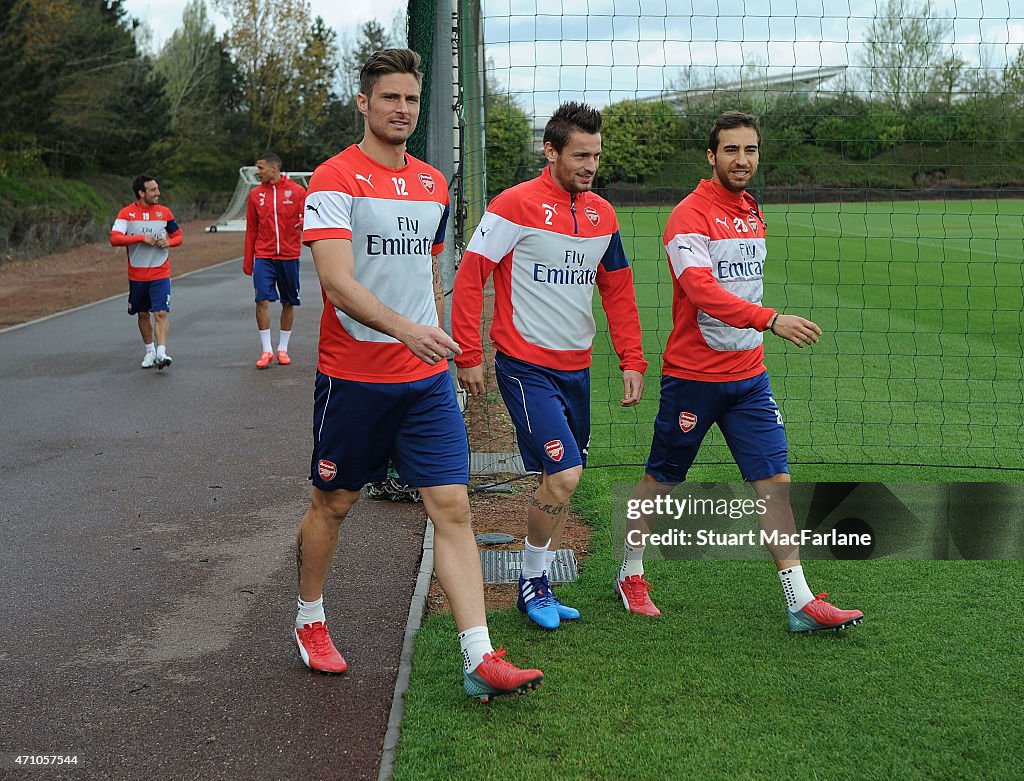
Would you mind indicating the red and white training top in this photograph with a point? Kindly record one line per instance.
(395, 219)
(136, 221)
(715, 241)
(547, 250)
(273, 221)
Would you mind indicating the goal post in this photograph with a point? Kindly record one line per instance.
(233, 218)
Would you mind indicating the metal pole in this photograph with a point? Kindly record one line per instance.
(471, 71)
(441, 136)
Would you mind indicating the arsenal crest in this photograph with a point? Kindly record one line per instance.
(687, 420)
(428, 183)
(554, 449)
(592, 215)
(287, 193)
(327, 469)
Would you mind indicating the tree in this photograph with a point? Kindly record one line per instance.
(317, 138)
(372, 37)
(283, 84)
(1013, 79)
(946, 79)
(190, 63)
(637, 139)
(903, 52)
(199, 83)
(78, 83)
(510, 157)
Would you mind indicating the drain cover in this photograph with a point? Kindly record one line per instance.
(503, 566)
(495, 463)
(494, 538)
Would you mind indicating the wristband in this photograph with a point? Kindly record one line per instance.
(771, 323)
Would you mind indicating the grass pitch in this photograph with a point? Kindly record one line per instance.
(917, 378)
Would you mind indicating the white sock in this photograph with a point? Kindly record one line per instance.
(161, 350)
(632, 561)
(549, 559)
(265, 340)
(794, 587)
(475, 642)
(150, 348)
(310, 612)
(534, 559)
(283, 342)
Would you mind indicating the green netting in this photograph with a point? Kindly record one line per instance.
(422, 14)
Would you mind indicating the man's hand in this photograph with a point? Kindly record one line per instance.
(429, 343)
(796, 329)
(150, 239)
(633, 387)
(162, 242)
(471, 379)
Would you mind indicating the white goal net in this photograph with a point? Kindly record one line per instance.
(233, 218)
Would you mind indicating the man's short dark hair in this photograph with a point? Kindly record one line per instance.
(730, 120)
(270, 157)
(139, 184)
(385, 62)
(571, 117)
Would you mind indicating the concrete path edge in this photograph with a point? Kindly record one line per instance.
(416, 610)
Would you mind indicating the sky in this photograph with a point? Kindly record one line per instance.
(604, 51)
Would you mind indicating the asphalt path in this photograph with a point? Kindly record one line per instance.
(147, 563)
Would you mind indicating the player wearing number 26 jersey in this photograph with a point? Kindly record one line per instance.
(714, 372)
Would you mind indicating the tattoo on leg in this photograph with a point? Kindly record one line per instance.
(298, 555)
(550, 509)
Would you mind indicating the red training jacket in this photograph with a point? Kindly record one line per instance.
(548, 250)
(715, 242)
(273, 222)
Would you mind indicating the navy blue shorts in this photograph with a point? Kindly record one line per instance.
(744, 410)
(154, 296)
(276, 279)
(358, 426)
(550, 410)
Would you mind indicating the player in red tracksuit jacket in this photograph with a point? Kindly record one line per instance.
(549, 242)
(714, 372)
(273, 239)
(147, 231)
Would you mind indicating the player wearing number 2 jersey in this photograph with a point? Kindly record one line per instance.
(374, 220)
(549, 242)
(713, 370)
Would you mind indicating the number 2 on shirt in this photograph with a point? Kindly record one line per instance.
(399, 185)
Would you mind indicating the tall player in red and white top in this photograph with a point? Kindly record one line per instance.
(713, 369)
(147, 231)
(375, 220)
(549, 242)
